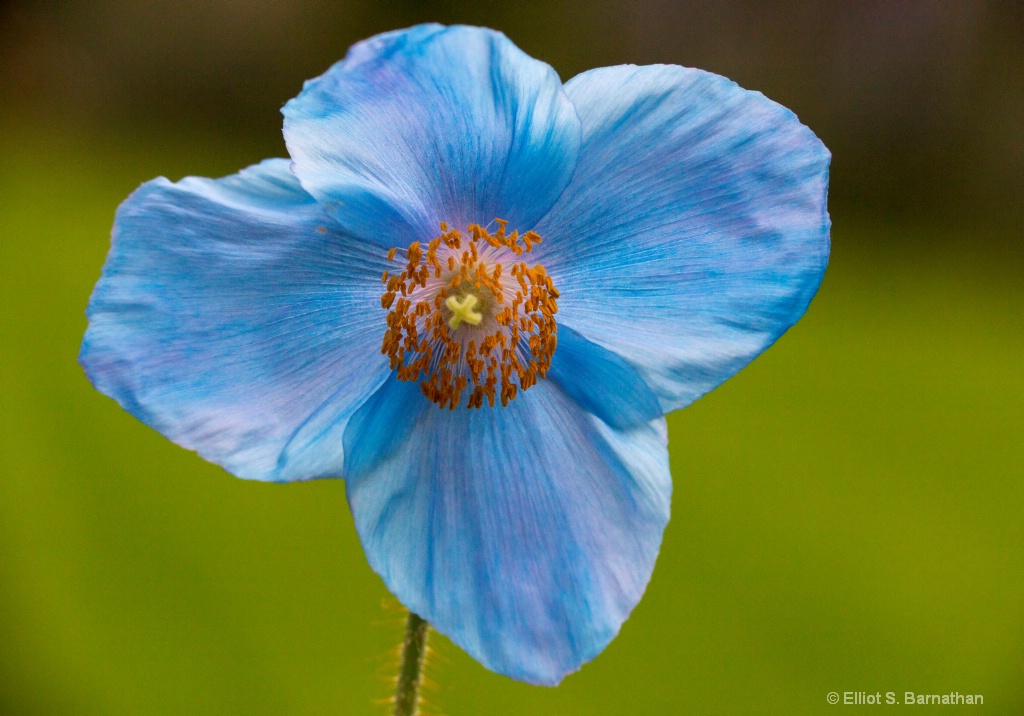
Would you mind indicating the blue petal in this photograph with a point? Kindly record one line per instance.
(233, 317)
(601, 382)
(430, 125)
(695, 230)
(526, 534)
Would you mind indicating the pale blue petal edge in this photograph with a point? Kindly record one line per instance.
(695, 230)
(433, 124)
(525, 534)
(235, 318)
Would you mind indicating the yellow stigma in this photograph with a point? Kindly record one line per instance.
(463, 311)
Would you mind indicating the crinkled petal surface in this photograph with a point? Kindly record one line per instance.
(526, 534)
(695, 230)
(235, 318)
(433, 124)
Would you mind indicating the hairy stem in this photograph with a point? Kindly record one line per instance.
(410, 674)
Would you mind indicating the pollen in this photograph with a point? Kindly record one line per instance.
(468, 315)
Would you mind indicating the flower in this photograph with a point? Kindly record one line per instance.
(473, 293)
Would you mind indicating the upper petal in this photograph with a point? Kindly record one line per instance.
(433, 124)
(526, 534)
(234, 317)
(695, 230)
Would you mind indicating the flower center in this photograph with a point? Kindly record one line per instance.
(468, 314)
(463, 310)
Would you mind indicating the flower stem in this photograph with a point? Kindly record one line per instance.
(410, 674)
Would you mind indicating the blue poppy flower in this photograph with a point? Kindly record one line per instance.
(473, 292)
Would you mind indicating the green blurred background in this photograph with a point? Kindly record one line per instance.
(848, 510)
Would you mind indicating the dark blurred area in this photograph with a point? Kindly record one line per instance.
(921, 102)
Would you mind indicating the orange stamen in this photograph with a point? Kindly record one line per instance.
(504, 352)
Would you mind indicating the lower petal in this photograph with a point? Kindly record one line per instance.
(526, 534)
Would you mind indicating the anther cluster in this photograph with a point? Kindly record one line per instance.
(467, 313)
